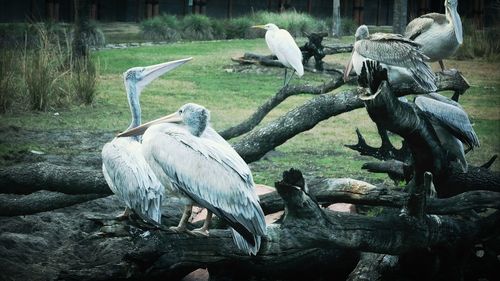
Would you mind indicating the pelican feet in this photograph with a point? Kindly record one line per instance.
(202, 231)
(179, 229)
(125, 215)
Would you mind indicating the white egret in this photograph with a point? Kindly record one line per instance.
(203, 169)
(124, 167)
(281, 44)
(440, 35)
(401, 57)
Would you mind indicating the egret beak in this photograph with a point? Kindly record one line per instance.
(457, 24)
(154, 71)
(172, 118)
(348, 69)
(259, 26)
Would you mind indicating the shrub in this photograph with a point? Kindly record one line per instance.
(298, 24)
(43, 68)
(8, 89)
(241, 28)
(197, 27)
(219, 29)
(479, 43)
(161, 28)
(84, 80)
(45, 75)
(348, 27)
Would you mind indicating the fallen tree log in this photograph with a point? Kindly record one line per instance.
(90, 184)
(319, 240)
(40, 201)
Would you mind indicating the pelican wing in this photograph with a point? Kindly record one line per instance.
(422, 24)
(131, 179)
(214, 176)
(454, 118)
(394, 50)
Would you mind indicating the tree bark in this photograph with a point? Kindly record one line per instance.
(90, 184)
(275, 100)
(85, 247)
(40, 201)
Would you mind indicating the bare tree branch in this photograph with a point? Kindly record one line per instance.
(275, 100)
(40, 201)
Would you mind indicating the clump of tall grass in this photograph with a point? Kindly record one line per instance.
(8, 85)
(44, 74)
(348, 27)
(479, 43)
(241, 27)
(298, 24)
(44, 70)
(197, 27)
(93, 35)
(84, 80)
(201, 27)
(161, 28)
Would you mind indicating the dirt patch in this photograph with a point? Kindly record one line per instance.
(61, 147)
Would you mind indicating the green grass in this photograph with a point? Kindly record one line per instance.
(233, 96)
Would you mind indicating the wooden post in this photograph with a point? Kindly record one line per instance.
(400, 16)
(229, 9)
(358, 11)
(336, 18)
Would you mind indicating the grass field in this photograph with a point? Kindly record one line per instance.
(209, 79)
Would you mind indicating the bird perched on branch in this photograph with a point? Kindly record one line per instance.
(440, 35)
(125, 169)
(451, 123)
(281, 44)
(199, 166)
(401, 57)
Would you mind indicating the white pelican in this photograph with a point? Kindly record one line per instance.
(451, 124)
(203, 169)
(440, 35)
(405, 64)
(124, 167)
(281, 44)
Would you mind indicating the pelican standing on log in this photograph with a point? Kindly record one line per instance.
(401, 57)
(451, 124)
(440, 35)
(125, 169)
(203, 169)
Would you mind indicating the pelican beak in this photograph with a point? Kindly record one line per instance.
(457, 24)
(384, 86)
(172, 118)
(348, 70)
(152, 72)
(259, 26)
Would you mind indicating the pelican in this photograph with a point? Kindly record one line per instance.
(203, 169)
(281, 44)
(451, 124)
(405, 64)
(125, 169)
(440, 35)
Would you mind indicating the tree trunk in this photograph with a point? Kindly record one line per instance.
(84, 244)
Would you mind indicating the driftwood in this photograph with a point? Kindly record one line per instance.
(321, 241)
